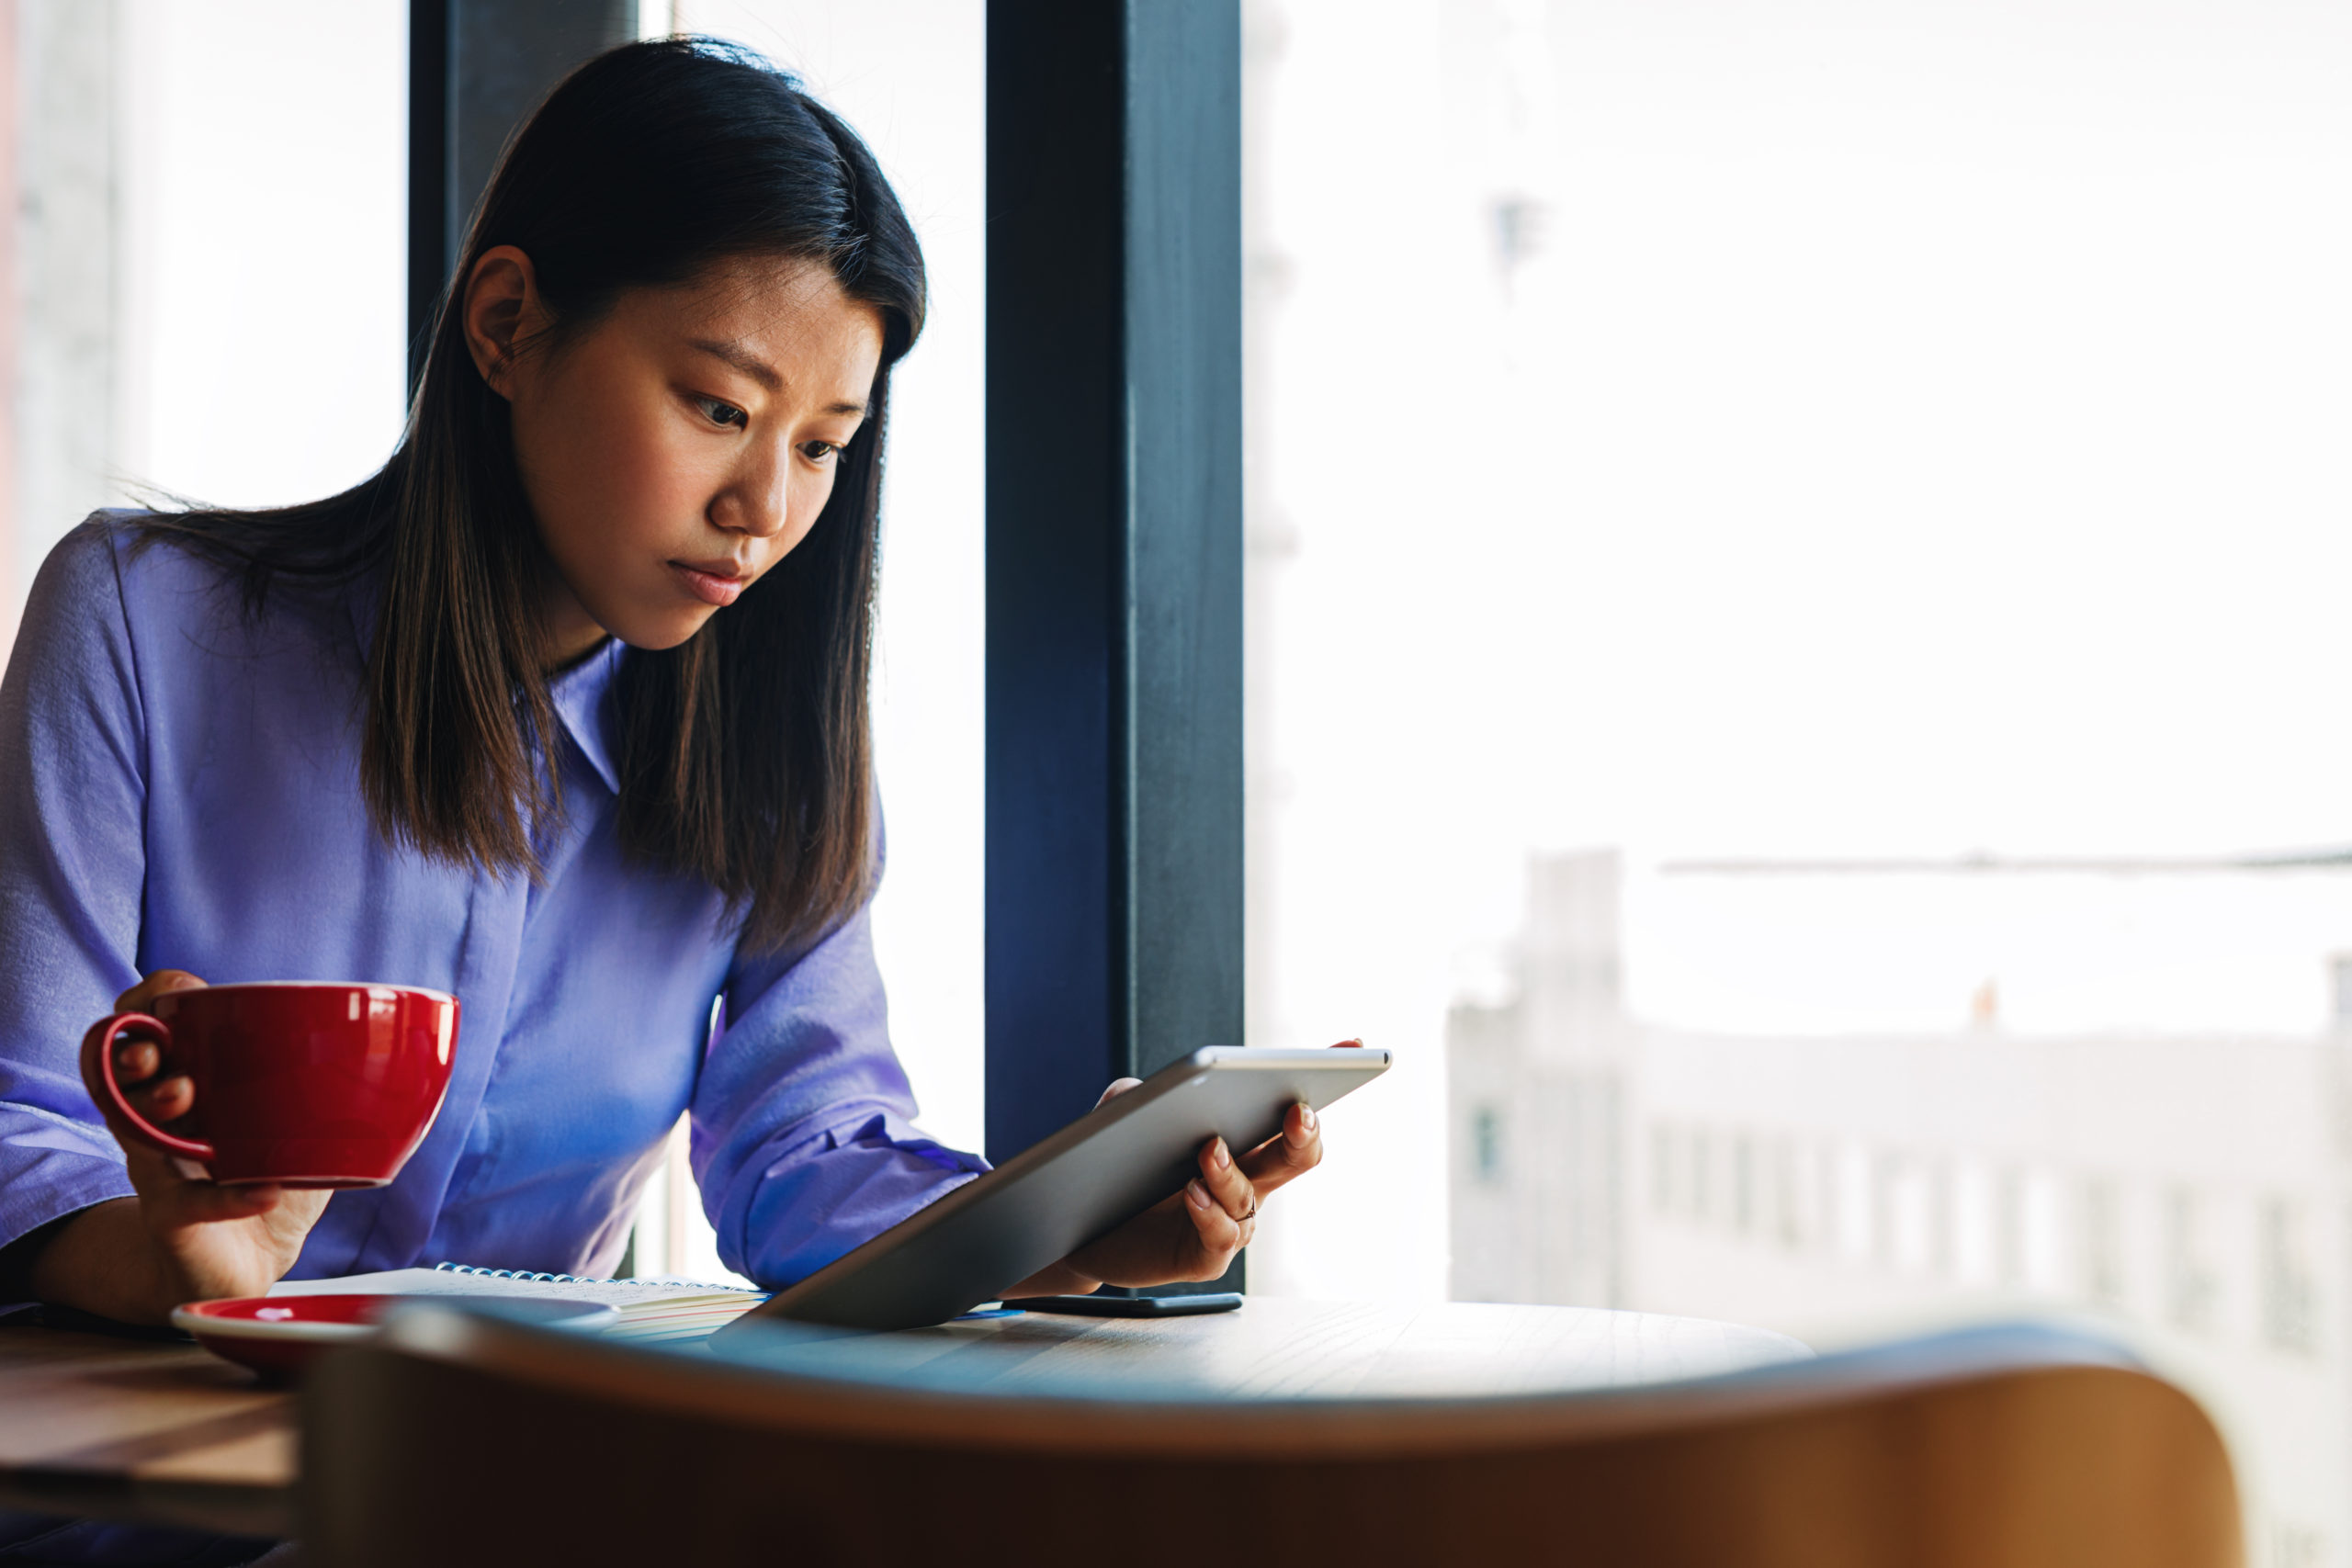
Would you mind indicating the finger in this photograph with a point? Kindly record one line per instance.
(162, 982)
(1224, 1180)
(152, 1171)
(135, 1061)
(1216, 1232)
(166, 1100)
(164, 1185)
(203, 1203)
(1288, 1155)
(1178, 1239)
(1118, 1087)
(133, 1146)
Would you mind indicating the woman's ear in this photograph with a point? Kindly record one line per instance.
(501, 307)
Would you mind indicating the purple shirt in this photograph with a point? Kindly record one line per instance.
(179, 788)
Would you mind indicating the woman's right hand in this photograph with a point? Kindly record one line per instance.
(183, 1239)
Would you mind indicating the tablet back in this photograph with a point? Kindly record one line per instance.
(1056, 1196)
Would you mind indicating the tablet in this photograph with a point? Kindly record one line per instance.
(1057, 1195)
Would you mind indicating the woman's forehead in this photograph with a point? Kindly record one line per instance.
(771, 307)
(753, 291)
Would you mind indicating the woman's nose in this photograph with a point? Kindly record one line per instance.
(759, 502)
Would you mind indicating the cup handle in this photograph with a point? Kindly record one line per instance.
(97, 1077)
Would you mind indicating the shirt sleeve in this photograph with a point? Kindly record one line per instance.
(804, 1142)
(73, 866)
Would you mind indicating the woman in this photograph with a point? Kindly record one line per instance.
(564, 711)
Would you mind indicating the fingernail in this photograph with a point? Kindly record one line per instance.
(1219, 1155)
(1197, 1195)
(1307, 1117)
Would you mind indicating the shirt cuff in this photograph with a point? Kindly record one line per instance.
(39, 1191)
(827, 1194)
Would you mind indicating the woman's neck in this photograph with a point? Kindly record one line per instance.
(571, 634)
(562, 666)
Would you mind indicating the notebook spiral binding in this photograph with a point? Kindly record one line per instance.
(580, 1279)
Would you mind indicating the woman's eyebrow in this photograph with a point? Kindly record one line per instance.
(760, 370)
(750, 365)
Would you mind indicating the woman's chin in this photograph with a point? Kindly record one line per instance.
(659, 633)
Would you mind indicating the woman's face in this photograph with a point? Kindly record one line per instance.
(680, 446)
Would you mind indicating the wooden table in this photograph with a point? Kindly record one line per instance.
(1279, 1347)
(164, 1433)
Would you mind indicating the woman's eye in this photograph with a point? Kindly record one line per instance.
(722, 413)
(819, 451)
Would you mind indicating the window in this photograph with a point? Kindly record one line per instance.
(165, 335)
(1486, 1140)
(1743, 1183)
(910, 75)
(2192, 1288)
(2103, 1241)
(1808, 538)
(2289, 1292)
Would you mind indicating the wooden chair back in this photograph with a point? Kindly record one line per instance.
(457, 1438)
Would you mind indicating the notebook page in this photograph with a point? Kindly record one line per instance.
(624, 1294)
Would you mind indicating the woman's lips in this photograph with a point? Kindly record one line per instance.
(710, 587)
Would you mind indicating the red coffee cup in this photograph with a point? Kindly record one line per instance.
(297, 1083)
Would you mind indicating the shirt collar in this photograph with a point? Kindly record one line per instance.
(582, 701)
(581, 693)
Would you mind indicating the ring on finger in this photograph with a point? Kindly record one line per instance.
(1253, 1213)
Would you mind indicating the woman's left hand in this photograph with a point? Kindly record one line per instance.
(1194, 1234)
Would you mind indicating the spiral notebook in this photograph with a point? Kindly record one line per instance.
(649, 1309)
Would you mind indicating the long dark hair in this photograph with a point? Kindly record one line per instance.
(746, 751)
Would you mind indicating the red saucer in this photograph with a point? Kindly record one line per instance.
(279, 1335)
